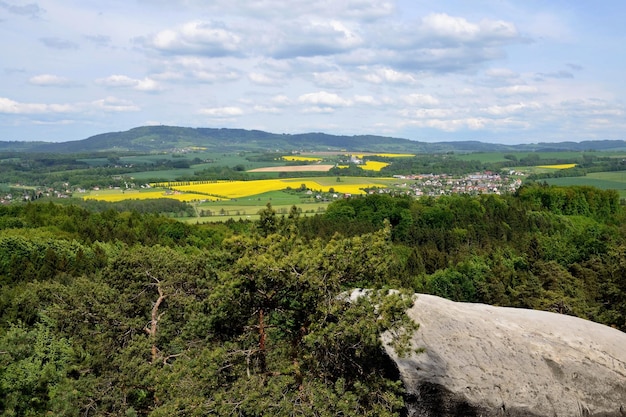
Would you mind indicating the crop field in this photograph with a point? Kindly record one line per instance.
(119, 195)
(373, 165)
(385, 155)
(614, 180)
(295, 168)
(239, 189)
(301, 158)
(559, 166)
(493, 157)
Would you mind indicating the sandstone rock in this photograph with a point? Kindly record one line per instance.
(482, 360)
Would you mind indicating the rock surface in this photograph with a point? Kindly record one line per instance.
(482, 360)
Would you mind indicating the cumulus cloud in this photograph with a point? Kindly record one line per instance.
(444, 28)
(49, 80)
(318, 109)
(196, 69)
(266, 109)
(417, 99)
(114, 105)
(314, 38)
(389, 75)
(263, 79)
(323, 98)
(14, 107)
(281, 100)
(220, 112)
(367, 10)
(123, 81)
(332, 79)
(108, 104)
(198, 37)
(366, 99)
(511, 109)
(501, 73)
(516, 90)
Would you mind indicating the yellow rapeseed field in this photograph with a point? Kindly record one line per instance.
(368, 165)
(395, 155)
(112, 197)
(374, 165)
(301, 158)
(240, 189)
(224, 190)
(561, 166)
(385, 155)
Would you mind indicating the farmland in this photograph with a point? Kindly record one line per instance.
(615, 180)
(245, 181)
(244, 198)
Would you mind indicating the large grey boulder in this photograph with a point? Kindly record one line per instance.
(482, 360)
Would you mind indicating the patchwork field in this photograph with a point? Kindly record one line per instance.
(226, 190)
(295, 168)
(239, 189)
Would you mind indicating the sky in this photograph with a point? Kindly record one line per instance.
(499, 71)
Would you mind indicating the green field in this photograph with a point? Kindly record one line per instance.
(248, 208)
(566, 156)
(614, 180)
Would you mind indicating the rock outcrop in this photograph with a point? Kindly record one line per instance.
(481, 360)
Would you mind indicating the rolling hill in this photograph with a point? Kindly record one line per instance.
(153, 139)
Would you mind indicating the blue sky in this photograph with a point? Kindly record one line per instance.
(499, 71)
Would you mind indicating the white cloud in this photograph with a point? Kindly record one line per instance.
(517, 90)
(123, 81)
(366, 100)
(220, 112)
(263, 79)
(324, 98)
(417, 99)
(389, 75)
(446, 28)
(266, 109)
(49, 80)
(197, 37)
(281, 100)
(318, 109)
(108, 104)
(115, 105)
(13, 107)
(503, 73)
(194, 69)
(511, 109)
(332, 79)
(310, 38)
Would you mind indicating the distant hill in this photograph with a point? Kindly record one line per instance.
(152, 139)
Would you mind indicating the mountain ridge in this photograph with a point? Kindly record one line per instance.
(153, 139)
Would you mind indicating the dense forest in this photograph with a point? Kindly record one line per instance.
(119, 311)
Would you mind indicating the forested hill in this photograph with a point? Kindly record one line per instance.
(165, 138)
